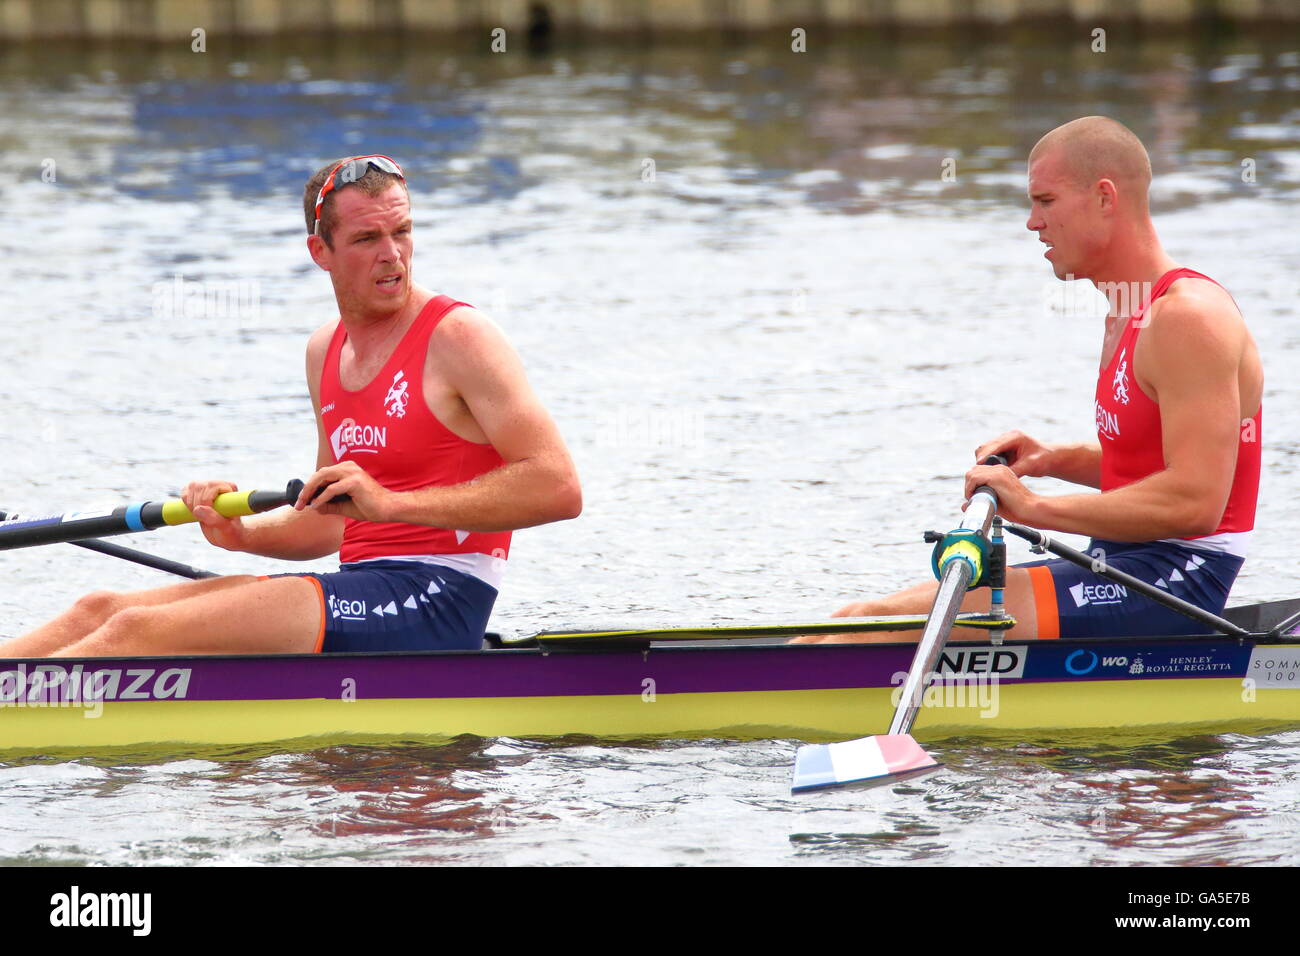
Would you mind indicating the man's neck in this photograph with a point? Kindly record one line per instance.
(369, 334)
(1132, 268)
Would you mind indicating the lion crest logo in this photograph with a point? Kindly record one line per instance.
(396, 399)
(1121, 379)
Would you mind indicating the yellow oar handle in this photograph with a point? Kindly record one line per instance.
(234, 504)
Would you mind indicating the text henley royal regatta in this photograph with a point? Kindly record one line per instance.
(387, 428)
(1128, 429)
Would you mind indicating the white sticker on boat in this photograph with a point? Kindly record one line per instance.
(1008, 661)
(1276, 667)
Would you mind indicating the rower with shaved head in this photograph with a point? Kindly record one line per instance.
(1178, 402)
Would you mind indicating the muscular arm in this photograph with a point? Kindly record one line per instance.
(537, 483)
(1079, 463)
(1189, 361)
(287, 534)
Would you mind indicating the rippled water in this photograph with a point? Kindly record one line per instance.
(1190, 801)
(772, 360)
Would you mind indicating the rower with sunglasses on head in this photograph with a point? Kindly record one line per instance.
(432, 449)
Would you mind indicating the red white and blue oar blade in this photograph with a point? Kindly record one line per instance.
(865, 762)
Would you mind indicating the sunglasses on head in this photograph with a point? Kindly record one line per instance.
(349, 171)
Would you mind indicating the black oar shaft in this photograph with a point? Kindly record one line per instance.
(148, 560)
(77, 526)
(140, 557)
(1099, 566)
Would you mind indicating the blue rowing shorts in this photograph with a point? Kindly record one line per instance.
(1075, 602)
(400, 606)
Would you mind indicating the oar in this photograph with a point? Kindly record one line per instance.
(79, 525)
(138, 557)
(1042, 542)
(148, 560)
(892, 756)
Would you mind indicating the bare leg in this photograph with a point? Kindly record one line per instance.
(1019, 597)
(276, 616)
(93, 610)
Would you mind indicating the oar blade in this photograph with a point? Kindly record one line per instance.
(865, 762)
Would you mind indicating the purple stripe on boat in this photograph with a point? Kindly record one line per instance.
(519, 673)
(529, 673)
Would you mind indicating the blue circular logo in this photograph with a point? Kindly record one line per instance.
(1081, 662)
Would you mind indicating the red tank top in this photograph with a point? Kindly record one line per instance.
(388, 430)
(1128, 428)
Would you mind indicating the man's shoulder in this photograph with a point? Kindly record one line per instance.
(319, 341)
(463, 319)
(324, 332)
(1197, 300)
(465, 332)
(1197, 328)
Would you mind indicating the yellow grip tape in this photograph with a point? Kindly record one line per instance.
(969, 550)
(232, 504)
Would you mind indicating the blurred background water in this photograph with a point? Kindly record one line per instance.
(771, 331)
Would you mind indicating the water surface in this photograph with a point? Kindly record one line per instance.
(769, 329)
